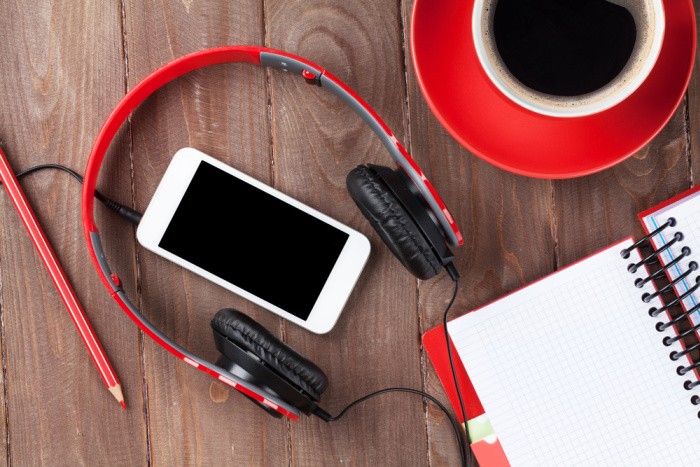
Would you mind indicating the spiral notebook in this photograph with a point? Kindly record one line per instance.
(586, 366)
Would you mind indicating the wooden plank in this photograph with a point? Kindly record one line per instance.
(507, 225)
(597, 210)
(63, 70)
(317, 141)
(594, 211)
(221, 111)
(72, 66)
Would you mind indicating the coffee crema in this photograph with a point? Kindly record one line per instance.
(564, 47)
(567, 53)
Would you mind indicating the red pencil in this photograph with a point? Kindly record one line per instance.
(63, 287)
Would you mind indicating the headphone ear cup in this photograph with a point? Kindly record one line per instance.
(253, 338)
(392, 222)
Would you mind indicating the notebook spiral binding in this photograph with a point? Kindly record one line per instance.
(653, 258)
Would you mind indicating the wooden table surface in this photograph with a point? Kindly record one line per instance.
(66, 64)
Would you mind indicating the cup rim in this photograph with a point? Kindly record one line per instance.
(577, 111)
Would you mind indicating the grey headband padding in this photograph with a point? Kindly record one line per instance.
(393, 224)
(251, 336)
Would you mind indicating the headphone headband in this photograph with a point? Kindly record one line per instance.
(313, 74)
(269, 58)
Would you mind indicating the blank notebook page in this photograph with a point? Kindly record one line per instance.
(571, 371)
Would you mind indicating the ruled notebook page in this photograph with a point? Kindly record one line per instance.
(571, 371)
(687, 215)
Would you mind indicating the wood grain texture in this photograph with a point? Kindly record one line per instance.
(507, 222)
(592, 212)
(63, 70)
(67, 64)
(317, 141)
(223, 112)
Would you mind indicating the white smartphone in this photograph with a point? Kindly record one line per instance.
(253, 240)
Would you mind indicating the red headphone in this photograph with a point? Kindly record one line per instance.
(401, 205)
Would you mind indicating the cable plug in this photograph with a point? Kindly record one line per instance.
(452, 271)
(322, 414)
(124, 211)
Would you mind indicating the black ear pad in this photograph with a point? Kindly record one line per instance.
(248, 334)
(392, 222)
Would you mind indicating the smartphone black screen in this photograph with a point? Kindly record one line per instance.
(253, 240)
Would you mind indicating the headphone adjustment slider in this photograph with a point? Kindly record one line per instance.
(310, 77)
(116, 280)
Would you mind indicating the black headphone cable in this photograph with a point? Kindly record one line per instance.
(126, 212)
(135, 217)
(465, 456)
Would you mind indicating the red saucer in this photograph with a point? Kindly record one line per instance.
(496, 129)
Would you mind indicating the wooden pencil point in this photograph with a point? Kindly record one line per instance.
(116, 391)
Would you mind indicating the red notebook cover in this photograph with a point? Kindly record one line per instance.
(485, 445)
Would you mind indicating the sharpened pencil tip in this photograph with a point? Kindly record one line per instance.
(116, 391)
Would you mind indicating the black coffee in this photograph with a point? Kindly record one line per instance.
(564, 47)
